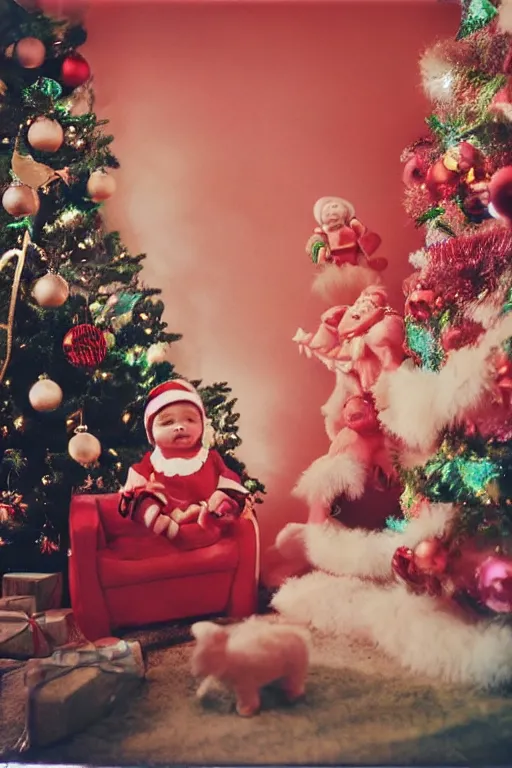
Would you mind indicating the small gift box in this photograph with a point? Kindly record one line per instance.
(45, 587)
(21, 637)
(20, 603)
(59, 627)
(72, 688)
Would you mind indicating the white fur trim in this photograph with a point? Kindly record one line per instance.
(178, 467)
(330, 476)
(345, 552)
(343, 285)
(445, 396)
(415, 630)
(225, 484)
(418, 259)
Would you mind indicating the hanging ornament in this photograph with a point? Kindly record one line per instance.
(84, 346)
(500, 192)
(20, 200)
(431, 556)
(157, 353)
(476, 14)
(75, 71)
(100, 186)
(51, 291)
(84, 448)
(44, 85)
(494, 584)
(45, 135)
(30, 52)
(45, 395)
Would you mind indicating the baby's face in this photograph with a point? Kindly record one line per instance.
(178, 426)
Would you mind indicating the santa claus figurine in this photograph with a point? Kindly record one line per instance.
(181, 489)
(340, 238)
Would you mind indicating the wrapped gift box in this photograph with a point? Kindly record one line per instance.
(21, 637)
(45, 587)
(73, 688)
(59, 627)
(22, 604)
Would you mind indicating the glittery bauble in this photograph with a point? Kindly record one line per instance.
(30, 52)
(45, 395)
(500, 191)
(45, 135)
(100, 186)
(75, 71)
(20, 200)
(441, 180)
(430, 556)
(85, 346)
(84, 448)
(51, 291)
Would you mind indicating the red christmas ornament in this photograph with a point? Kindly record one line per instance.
(461, 336)
(430, 556)
(500, 191)
(84, 346)
(441, 181)
(75, 71)
(420, 305)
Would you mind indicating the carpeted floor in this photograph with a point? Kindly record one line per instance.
(359, 709)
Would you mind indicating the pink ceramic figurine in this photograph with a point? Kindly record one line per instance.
(249, 656)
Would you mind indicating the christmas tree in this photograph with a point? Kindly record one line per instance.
(452, 407)
(82, 340)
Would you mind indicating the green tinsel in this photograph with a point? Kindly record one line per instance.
(422, 342)
(476, 14)
(396, 524)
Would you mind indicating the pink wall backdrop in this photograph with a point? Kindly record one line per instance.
(230, 121)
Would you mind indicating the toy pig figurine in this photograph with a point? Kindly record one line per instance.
(248, 657)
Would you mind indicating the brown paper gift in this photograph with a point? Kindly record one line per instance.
(20, 603)
(59, 627)
(73, 688)
(45, 587)
(21, 637)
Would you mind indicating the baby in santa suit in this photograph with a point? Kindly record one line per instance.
(181, 480)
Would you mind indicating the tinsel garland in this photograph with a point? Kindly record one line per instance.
(423, 345)
(470, 266)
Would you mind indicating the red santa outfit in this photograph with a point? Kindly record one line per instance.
(181, 479)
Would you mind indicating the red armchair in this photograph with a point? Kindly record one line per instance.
(122, 575)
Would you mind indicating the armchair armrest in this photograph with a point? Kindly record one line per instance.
(244, 592)
(87, 597)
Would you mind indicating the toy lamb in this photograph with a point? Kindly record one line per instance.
(248, 656)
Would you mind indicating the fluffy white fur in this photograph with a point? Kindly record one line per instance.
(342, 285)
(418, 259)
(404, 395)
(437, 77)
(415, 630)
(505, 16)
(330, 476)
(367, 554)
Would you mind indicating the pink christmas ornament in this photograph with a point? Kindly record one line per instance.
(430, 556)
(494, 584)
(30, 52)
(500, 191)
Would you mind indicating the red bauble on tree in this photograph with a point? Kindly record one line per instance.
(75, 71)
(500, 192)
(84, 346)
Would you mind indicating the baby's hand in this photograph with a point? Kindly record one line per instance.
(220, 504)
(189, 515)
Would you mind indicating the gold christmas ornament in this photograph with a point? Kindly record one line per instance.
(100, 186)
(20, 200)
(51, 291)
(45, 135)
(84, 448)
(45, 395)
(30, 52)
(156, 353)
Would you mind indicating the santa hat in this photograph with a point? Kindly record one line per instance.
(174, 391)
